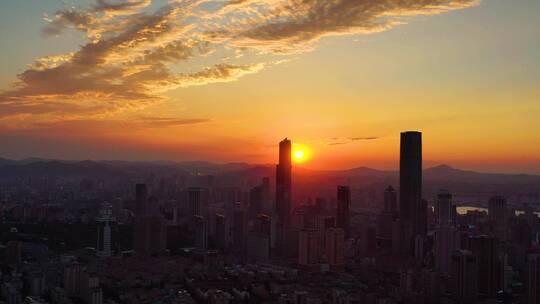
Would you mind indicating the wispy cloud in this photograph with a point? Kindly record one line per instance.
(335, 141)
(131, 53)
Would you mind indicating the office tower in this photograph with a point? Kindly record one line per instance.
(267, 205)
(447, 240)
(324, 223)
(201, 233)
(497, 208)
(343, 205)
(239, 227)
(141, 195)
(533, 279)
(444, 208)
(195, 201)
(390, 199)
(308, 247)
(334, 246)
(13, 252)
(283, 182)
(221, 232)
(388, 216)
(320, 204)
(259, 239)
(486, 249)
(72, 279)
(91, 293)
(149, 230)
(259, 198)
(367, 241)
(464, 276)
(105, 223)
(498, 216)
(412, 215)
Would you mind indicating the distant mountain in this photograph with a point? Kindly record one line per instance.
(447, 173)
(435, 178)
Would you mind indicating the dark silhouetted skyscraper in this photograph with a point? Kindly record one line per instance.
(464, 274)
(533, 279)
(283, 182)
(487, 250)
(411, 212)
(141, 195)
(343, 205)
(444, 208)
(149, 230)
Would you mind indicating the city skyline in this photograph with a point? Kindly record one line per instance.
(462, 72)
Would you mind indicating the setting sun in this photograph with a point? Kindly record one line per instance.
(300, 153)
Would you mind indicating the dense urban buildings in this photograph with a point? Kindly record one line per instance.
(204, 234)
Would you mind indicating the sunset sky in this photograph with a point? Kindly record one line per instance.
(226, 80)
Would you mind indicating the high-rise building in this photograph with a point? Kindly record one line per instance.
(390, 199)
(308, 247)
(487, 252)
(533, 279)
(343, 213)
(259, 198)
(221, 232)
(388, 216)
(283, 201)
(195, 201)
(105, 225)
(464, 276)
(283, 182)
(258, 244)
(447, 240)
(334, 246)
(444, 208)
(498, 216)
(141, 195)
(149, 229)
(412, 215)
(201, 233)
(239, 227)
(324, 223)
(72, 279)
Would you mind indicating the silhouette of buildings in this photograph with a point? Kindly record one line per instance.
(490, 267)
(343, 212)
(105, 224)
(412, 211)
(283, 182)
(533, 279)
(464, 276)
(283, 242)
(335, 246)
(149, 230)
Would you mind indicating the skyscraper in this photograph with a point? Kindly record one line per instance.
(343, 205)
(533, 280)
(464, 276)
(195, 201)
(308, 247)
(334, 246)
(105, 223)
(443, 208)
(388, 216)
(498, 216)
(149, 230)
(141, 195)
(486, 249)
(410, 189)
(201, 233)
(283, 182)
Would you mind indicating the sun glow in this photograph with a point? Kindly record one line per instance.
(300, 154)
